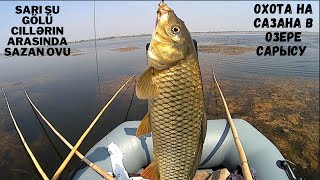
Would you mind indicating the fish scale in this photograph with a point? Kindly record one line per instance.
(177, 138)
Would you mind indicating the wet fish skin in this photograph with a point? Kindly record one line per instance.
(176, 121)
(173, 86)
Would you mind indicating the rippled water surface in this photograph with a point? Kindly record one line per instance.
(278, 95)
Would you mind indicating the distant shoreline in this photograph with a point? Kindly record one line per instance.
(111, 37)
(206, 32)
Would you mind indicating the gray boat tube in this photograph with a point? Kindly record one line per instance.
(218, 150)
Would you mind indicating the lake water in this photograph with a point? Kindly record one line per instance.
(275, 94)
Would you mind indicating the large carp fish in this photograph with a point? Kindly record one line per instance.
(176, 113)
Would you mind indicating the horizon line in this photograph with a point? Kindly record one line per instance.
(149, 34)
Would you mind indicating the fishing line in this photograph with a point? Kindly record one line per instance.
(133, 93)
(84, 159)
(46, 133)
(208, 104)
(216, 100)
(95, 49)
(84, 135)
(16, 170)
(209, 96)
(213, 87)
(25, 172)
(212, 97)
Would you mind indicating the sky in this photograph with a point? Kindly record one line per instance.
(115, 18)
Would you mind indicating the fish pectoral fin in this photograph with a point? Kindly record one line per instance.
(146, 88)
(144, 126)
(151, 172)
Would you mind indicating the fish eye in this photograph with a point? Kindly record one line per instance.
(175, 30)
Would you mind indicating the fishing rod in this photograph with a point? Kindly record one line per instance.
(244, 162)
(34, 160)
(82, 157)
(74, 149)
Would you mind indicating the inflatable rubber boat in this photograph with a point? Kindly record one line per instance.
(218, 151)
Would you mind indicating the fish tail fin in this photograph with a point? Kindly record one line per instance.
(144, 126)
(151, 172)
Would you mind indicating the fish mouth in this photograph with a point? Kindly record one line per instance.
(163, 9)
(162, 12)
(162, 15)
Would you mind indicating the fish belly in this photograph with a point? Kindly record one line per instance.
(176, 117)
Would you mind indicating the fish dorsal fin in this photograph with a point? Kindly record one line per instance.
(144, 126)
(146, 88)
(151, 172)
